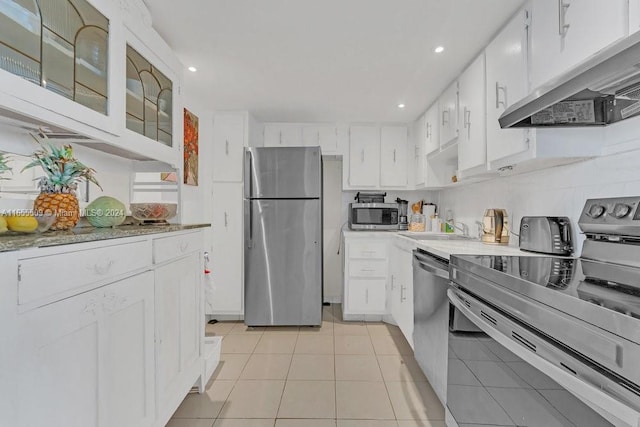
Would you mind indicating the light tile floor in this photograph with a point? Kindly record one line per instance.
(343, 374)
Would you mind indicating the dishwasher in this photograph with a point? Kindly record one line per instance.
(433, 318)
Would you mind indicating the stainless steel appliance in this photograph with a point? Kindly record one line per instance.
(495, 227)
(546, 234)
(403, 215)
(283, 236)
(561, 341)
(601, 90)
(373, 216)
(432, 318)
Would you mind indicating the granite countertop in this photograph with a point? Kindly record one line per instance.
(15, 241)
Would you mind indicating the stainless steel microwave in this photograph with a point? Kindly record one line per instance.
(373, 216)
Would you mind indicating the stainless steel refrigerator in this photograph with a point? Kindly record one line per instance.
(283, 236)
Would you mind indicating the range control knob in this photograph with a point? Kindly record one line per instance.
(620, 210)
(596, 211)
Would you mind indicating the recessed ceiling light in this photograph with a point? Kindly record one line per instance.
(439, 49)
(400, 105)
(192, 69)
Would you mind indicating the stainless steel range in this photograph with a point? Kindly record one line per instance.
(562, 336)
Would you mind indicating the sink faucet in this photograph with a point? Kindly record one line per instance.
(480, 229)
(464, 228)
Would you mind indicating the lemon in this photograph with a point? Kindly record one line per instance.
(3, 224)
(25, 224)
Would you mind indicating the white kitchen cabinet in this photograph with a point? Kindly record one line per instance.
(393, 156)
(228, 147)
(365, 278)
(507, 71)
(227, 253)
(283, 135)
(401, 267)
(417, 145)
(472, 143)
(88, 360)
(448, 115)
(634, 16)
(364, 157)
(432, 138)
(178, 322)
(565, 32)
(326, 136)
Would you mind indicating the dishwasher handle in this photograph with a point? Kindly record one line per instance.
(430, 264)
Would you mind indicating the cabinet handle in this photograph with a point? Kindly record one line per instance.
(280, 137)
(226, 220)
(428, 130)
(563, 27)
(362, 156)
(393, 285)
(226, 147)
(366, 296)
(394, 155)
(417, 152)
(445, 121)
(369, 252)
(318, 137)
(367, 270)
(184, 246)
(504, 91)
(101, 270)
(402, 289)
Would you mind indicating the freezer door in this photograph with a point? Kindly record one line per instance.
(282, 172)
(283, 262)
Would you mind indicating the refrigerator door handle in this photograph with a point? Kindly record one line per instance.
(248, 182)
(248, 225)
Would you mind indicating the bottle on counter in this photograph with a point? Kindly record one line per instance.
(435, 223)
(448, 225)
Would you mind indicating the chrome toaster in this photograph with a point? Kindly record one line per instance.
(547, 235)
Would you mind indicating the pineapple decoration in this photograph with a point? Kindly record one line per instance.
(4, 167)
(58, 187)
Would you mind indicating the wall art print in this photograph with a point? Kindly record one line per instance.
(190, 148)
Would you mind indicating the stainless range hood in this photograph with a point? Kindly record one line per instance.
(603, 89)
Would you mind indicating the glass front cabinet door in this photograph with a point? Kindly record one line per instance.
(59, 45)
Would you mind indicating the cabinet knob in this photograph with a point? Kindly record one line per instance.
(502, 89)
(563, 27)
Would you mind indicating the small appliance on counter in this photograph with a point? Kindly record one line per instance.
(369, 212)
(403, 220)
(495, 227)
(546, 234)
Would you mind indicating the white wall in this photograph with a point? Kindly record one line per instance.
(113, 173)
(560, 191)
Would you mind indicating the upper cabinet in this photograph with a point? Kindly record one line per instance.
(282, 135)
(149, 103)
(302, 135)
(472, 142)
(565, 32)
(506, 66)
(448, 120)
(93, 72)
(393, 156)
(364, 157)
(326, 136)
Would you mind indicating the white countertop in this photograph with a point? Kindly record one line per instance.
(441, 248)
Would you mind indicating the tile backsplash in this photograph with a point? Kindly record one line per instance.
(559, 191)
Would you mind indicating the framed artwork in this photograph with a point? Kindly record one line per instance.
(190, 148)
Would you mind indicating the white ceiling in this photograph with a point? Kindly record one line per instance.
(326, 60)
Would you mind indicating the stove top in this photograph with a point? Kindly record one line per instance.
(602, 293)
(610, 286)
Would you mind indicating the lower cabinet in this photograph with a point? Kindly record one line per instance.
(88, 360)
(402, 290)
(178, 319)
(365, 278)
(118, 348)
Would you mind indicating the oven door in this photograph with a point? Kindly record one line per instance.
(511, 376)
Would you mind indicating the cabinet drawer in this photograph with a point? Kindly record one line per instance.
(52, 275)
(374, 250)
(168, 248)
(364, 268)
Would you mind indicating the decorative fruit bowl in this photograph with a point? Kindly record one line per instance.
(153, 212)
